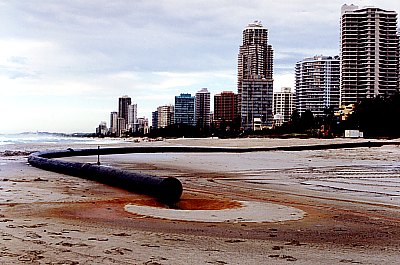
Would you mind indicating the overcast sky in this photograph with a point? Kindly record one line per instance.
(63, 64)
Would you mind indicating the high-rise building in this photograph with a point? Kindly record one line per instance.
(121, 127)
(283, 106)
(102, 130)
(123, 103)
(165, 116)
(317, 84)
(398, 37)
(143, 125)
(132, 117)
(255, 81)
(369, 53)
(154, 120)
(185, 110)
(225, 108)
(203, 108)
(113, 122)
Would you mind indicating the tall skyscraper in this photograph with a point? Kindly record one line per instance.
(283, 106)
(225, 108)
(121, 127)
(123, 103)
(317, 84)
(154, 120)
(255, 81)
(185, 110)
(369, 53)
(203, 108)
(113, 122)
(132, 117)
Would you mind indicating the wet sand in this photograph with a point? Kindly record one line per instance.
(49, 218)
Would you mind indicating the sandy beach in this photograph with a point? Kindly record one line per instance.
(308, 207)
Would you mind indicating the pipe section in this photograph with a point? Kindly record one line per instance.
(169, 189)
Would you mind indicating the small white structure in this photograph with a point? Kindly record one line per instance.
(278, 120)
(257, 124)
(353, 134)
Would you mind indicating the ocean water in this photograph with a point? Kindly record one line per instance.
(32, 138)
(39, 141)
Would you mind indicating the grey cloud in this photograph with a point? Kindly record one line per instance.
(175, 35)
(86, 42)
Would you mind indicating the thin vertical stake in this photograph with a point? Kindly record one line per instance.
(98, 155)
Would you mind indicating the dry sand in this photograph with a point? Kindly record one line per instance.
(49, 218)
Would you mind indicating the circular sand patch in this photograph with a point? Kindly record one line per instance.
(249, 211)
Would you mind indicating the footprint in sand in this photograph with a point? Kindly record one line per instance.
(117, 251)
(31, 256)
(32, 235)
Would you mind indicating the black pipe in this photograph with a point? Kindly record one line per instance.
(187, 149)
(166, 189)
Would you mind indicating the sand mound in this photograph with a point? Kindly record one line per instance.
(248, 211)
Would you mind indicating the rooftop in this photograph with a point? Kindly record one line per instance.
(255, 24)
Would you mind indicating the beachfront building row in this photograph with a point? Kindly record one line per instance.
(368, 66)
(195, 111)
(124, 121)
(189, 110)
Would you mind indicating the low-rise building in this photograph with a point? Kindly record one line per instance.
(282, 106)
(226, 109)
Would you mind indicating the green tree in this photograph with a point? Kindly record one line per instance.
(377, 117)
(307, 120)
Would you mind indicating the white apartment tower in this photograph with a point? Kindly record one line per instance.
(132, 117)
(283, 106)
(255, 82)
(165, 116)
(317, 81)
(369, 53)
